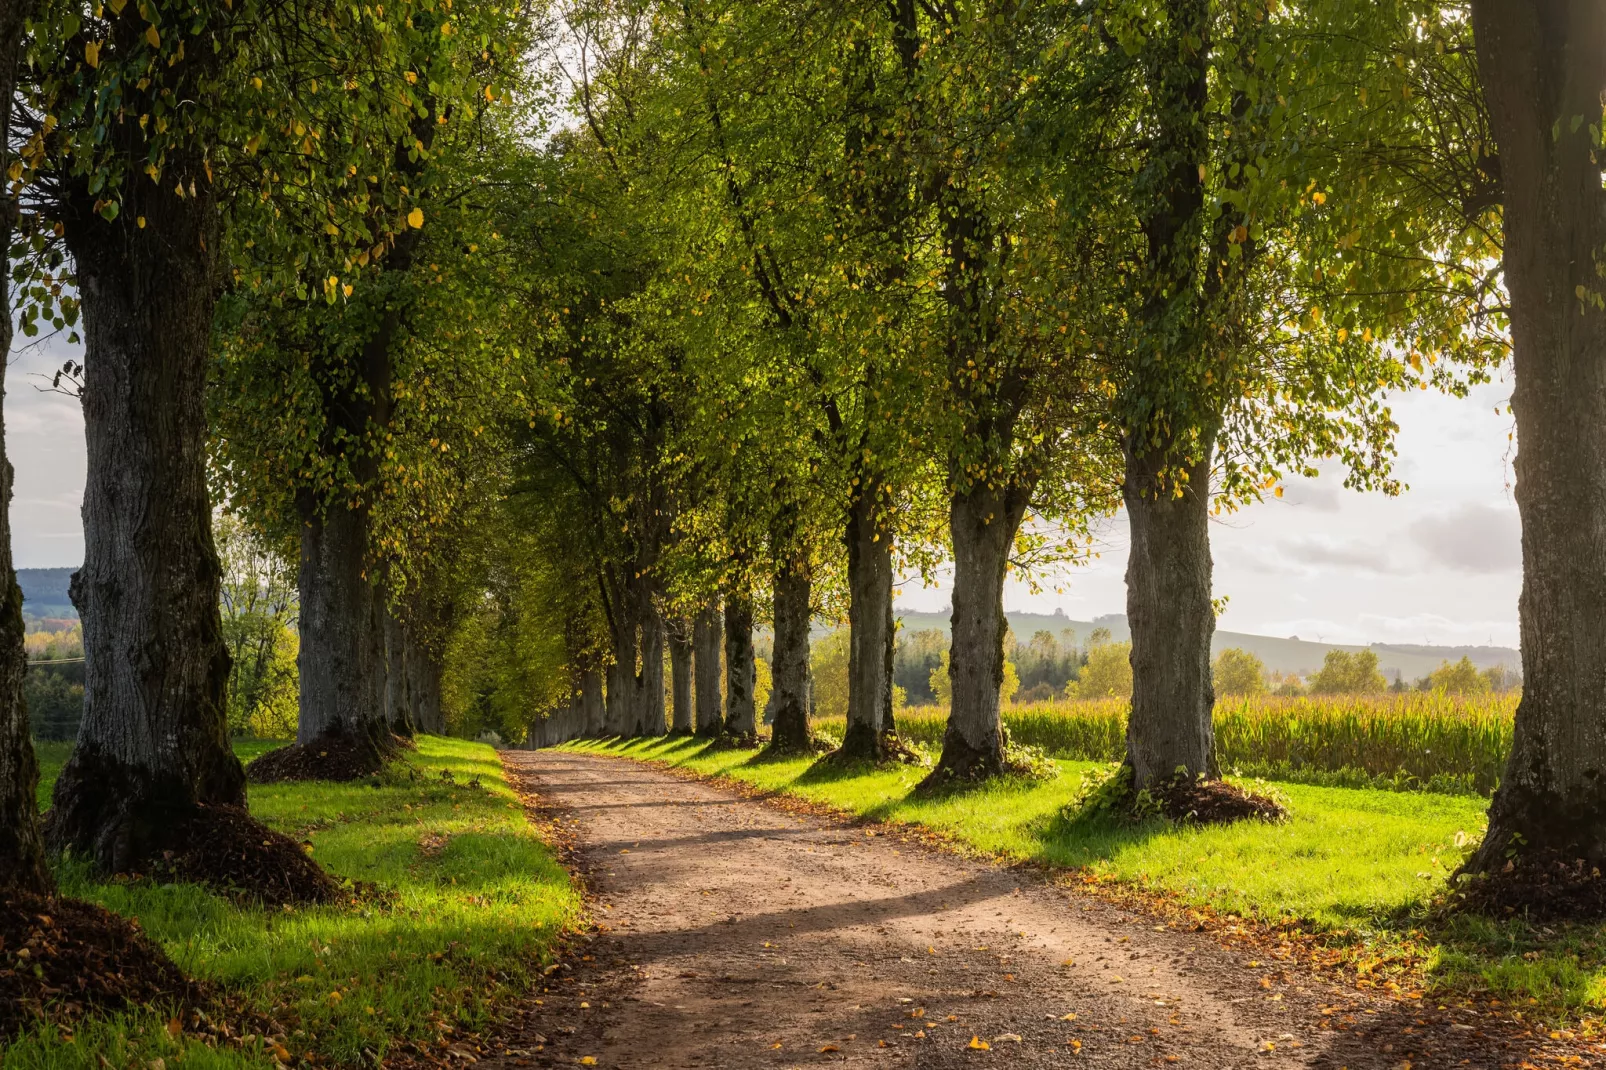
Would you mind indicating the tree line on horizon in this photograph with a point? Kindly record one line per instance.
(571, 344)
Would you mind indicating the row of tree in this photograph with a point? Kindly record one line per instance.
(613, 329)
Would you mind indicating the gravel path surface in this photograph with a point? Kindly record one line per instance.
(736, 935)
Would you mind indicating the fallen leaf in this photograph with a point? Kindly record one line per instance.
(174, 1027)
(1002, 1037)
(588, 1060)
(978, 1044)
(1071, 1017)
(829, 1047)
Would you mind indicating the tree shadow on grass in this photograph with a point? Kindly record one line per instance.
(1075, 838)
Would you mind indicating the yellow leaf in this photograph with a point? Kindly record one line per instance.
(92, 53)
(153, 37)
(829, 1047)
(174, 1027)
(141, 222)
(415, 218)
(588, 1060)
(1319, 197)
(978, 1044)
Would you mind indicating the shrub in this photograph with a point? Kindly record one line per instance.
(1238, 672)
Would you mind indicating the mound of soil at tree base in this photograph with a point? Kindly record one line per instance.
(1212, 802)
(59, 957)
(231, 852)
(334, 757)
(1540, 885)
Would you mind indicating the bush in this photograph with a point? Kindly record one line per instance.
(1346, 672)
(55, 704)
(1238, 672)
(1107, 674)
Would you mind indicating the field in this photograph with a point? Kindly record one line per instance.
(1359, 867)
(474, 904)
(1415, 740)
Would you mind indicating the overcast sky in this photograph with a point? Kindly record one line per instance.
(1439, 564)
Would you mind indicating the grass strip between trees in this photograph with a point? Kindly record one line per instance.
(471, 905)
(1359, 868)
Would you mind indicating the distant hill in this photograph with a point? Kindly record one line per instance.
(1413, 661)
(44, 592)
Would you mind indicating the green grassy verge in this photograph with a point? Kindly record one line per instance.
(1359, 866)
(477, 902)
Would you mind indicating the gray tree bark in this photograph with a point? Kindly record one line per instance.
(741, 671)
(423, 685)
(683, 718)
(707, 640)
(983, 522)
(1172, 620)
(337, 650)
(591, 703)
(154, 736)
(620, 716)
(1542, 64)
(870, 634)
(22, 850)
(650, 681)
(398, 699)
(791, 681)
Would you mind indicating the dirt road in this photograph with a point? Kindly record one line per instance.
(736, 935)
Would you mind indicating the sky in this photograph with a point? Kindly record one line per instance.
(1439, 564)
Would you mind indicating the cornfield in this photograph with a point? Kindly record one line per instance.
(1417, 740)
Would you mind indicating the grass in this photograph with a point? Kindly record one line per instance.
(477, 903)
(1409, 741)
(1359, 866)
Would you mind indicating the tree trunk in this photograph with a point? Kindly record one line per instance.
(870, 634)
(154, 738)
(398, 702)
(591, 704)
(1172, 620)
(983, 522)
(423, 685)
(1542, 66)
(619, 717)
(22, 852)
(706, 641)
(741, 672)
(650, 681)
(791, 682)
(683, 718)
(337, 649)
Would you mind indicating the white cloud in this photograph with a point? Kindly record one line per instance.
(1473, 537)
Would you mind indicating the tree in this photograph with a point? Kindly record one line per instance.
(1238, 672)
(1461, 678)
(1285, 244)
(22, 854)
(156, 133)
(830, 660)
(322, 420)
(1544, 91)
(259, 613)
(1346, 672)
(1107, 674)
